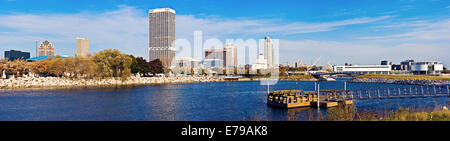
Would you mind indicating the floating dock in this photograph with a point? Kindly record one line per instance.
(299, 98)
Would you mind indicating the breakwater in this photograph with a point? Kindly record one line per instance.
(401, 81)
(58, 82)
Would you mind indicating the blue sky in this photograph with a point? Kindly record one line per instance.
(356, 31)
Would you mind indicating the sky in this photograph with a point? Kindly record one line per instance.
(354, 31)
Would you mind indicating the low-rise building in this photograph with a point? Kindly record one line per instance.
(431, 67)
(16, 54)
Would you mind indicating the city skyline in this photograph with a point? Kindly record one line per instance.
(393, 30)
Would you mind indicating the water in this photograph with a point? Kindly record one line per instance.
(215, 101)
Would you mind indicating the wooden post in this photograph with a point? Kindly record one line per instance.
(359, 94)
(399, 92)
(378, 93)
(389, 93)
(345, 85)
(422, 91)
(315, 86)
(410, 91)
(318, 97)
(417, 91)
(434, 88)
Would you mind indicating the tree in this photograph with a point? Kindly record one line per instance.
(56, 66)
(156, 67)
(112, 63)
(85, 67)
(144, 66)
(283, 71)
(258, 71)
(203, 72)
(192, 71)
(69, 65)
(224, 71)
(39, 67)
(235, 71)
(135, 68)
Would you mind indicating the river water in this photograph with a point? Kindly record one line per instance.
(214, 101)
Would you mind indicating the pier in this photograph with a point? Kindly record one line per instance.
(333, 98)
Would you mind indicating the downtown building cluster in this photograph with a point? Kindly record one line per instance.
(162, 46)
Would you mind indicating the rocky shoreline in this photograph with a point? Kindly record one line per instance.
(57, 82)
(401, 81)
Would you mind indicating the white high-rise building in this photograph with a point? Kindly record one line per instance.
(268, 52)
(162, 35)
(82, 47)
(230, 56)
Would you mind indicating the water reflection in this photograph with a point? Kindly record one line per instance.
(217, 101)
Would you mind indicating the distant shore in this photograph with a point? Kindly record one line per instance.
(63, 83)
(401, 81)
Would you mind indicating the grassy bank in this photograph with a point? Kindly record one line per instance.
(423, 77)
(351, 113)
(298, 77)
(291, 77)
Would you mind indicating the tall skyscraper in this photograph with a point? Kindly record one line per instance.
(162, 35)
(82, 47)
(230, 56)
(268, 52)
(46, 49)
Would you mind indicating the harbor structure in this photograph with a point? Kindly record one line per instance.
(82, 47)
(162, 35)
(16, 54)
(46, 48)
(364, 69)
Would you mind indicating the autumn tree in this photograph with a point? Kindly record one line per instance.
(84, 67)
(135, 68)
(57, 66)
(156, 67)
(112, 63)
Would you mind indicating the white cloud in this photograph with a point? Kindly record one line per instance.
(423, 31)
(127, 29)
(341, 52)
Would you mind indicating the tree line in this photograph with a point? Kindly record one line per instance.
(106, 63)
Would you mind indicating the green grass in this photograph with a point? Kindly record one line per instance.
(297, 77)
(424, 77)
(350, 113)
